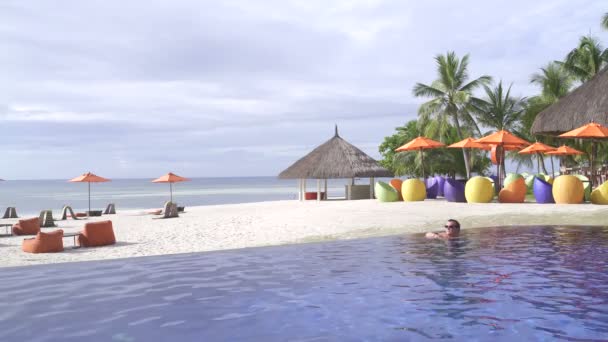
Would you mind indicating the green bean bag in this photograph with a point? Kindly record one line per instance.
(385, 192)
(600, 194)
(413, 190)
(568, 189)
(587, 186)
(479, 190)
(510, 178)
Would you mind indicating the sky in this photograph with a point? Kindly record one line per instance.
(138, 88)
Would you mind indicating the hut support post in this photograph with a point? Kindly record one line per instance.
(371, 187)
(552, 168)
(318, 190)
(304, 188)
(325, 188)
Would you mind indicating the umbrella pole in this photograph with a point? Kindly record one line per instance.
(89, 198)
(552, 169)
(171, 191)
(422, 163)
(592, 174)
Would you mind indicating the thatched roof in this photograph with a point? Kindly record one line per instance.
(585, 104)
(336, 158)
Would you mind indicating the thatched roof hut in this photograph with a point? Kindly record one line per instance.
(336, 158)
(587, 103)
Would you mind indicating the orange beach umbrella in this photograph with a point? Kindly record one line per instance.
(538, 148)
(170, 178)
(419, 144)
(593, 131)
(564, 151)
(89, 178)
(502, 140)
(469, 143)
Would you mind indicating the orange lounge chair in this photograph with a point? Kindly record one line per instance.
(97, 234)
(27, 227)
(44, 243)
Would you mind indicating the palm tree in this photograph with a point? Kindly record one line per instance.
(555, 82)
(605, 21)
(586, 60)
(499, 110)
(451, 96)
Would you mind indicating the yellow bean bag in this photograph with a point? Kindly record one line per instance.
(568, 189)
(397, 183)
(600, 194)
(479, 190)
(413, 190)
(514, 192)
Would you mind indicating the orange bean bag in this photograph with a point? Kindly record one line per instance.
(27, 227)
(97, 234)
(44, 243)
(515, 192)
(397, 183)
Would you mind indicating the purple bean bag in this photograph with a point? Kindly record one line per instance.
(440, 182)
(432, 186)
(453, 190)
(542, 191)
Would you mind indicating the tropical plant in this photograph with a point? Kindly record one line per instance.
(586, 60)
(450, 99)
(605, 21)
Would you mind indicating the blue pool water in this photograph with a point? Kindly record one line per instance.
(500, 284)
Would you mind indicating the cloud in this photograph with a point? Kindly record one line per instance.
(212, 88)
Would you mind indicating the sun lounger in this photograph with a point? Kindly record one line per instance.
(46, 219)
(10, 212)
(51, 242)
(94, 212)
(169, 211)
(27, 227)
(97, 234)
(67, 211)
(110, 209)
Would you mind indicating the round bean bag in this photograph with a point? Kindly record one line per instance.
(385, 192)
(441, 183)
(432, 187)
(586, 185)
(453, 191)
(568, 189)
(396, 183)
(479, 190)
(600, 194)
(413, 190)
(515, 192)
(543, 191)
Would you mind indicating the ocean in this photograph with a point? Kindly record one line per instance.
(32, 196)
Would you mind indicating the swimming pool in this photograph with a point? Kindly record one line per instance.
(509, 283)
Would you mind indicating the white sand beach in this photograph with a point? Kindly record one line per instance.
(208, 228)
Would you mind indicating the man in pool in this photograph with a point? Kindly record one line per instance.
(452, 229)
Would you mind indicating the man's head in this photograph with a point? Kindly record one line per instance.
(452, 227)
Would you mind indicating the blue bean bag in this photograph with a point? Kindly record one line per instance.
(543, 191)
(453, 191)
(432, 187)
(440, 182)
